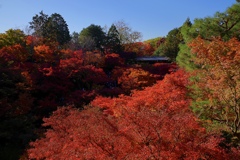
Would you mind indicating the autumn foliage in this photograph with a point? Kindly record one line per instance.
(38, 76)
(140, 48)
(155, 123)
(89, 97)
(218, 79)
(135, 78)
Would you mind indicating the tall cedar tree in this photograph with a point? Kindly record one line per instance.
(57, 29)
(53, 28)
(113, 44)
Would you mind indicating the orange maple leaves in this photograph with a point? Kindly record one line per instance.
(219, 79)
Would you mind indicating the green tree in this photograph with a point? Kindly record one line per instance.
(92, 37)
(184, 55)
(170, 47)
(225, 25)
(57, 29)
(53, 28)
(38, 24)
(11, 37)
(113, 43)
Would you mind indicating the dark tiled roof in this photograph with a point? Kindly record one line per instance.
(152, 59)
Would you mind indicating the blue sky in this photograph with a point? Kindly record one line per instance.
(153, 18)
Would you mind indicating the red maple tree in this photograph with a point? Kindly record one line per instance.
(155, 123)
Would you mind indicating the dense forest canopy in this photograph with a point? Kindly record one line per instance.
(83, 95)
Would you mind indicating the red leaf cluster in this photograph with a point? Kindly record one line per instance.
(155, 123)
